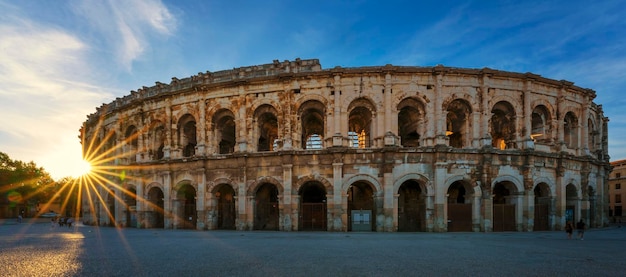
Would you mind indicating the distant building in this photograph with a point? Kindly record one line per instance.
(617, 191)
(291, 146)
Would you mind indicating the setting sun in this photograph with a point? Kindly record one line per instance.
(82, 168)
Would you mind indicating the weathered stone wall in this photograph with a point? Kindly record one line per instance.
(306, 149)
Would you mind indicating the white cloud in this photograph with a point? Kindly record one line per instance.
(127, 25)
(44, 93)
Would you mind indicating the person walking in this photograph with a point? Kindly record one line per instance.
(569, 228)
(580, 226)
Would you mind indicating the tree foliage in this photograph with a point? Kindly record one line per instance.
(24, 182)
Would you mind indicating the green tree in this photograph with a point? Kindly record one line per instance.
(23, 185)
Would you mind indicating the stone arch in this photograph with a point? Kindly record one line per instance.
(362, 178)
(425, 183)
(503, 126)
(187, 134)
(458, 122)
(154, 212)
(361, 122)
(547, 181)
(518, 187)
(412, 121)
(541, 124)
(312, 124)
(212, 186)
(184, 205)
(224, 205)
(570, 130)
(506, 207)
(543, 205)
(156, 139)
(254, 185)
(460, 199)
(224, 128)
(265, 127)
(412, 203)
(592, 133)
(312, 178)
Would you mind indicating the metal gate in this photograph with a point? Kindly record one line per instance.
(541, 218)
(361, 220)
(313, 217)
(459, 217)
(504, 217)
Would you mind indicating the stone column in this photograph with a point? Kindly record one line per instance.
(476, 216)
(167, 198)
(200, 147)
(527, 123)
(168, 130)
(440, 114)
(337, 136)
(287, 223)
(486, 110)
(140, 199)
(242, 124)
(201, 223)
(340, 218)
(390, 204)
(394, 227)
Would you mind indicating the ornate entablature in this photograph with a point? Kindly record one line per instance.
(509, 143)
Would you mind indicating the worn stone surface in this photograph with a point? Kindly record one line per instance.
(291, 146)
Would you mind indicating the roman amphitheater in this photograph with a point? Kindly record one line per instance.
(291, 146)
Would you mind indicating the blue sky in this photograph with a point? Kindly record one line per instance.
(59, 60)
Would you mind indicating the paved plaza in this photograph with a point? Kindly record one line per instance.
(36, 249)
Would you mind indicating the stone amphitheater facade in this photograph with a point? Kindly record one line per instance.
(291, 146)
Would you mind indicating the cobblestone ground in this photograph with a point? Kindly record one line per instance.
(36, 249)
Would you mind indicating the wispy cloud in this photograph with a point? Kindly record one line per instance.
(128, 25)
(43, 88)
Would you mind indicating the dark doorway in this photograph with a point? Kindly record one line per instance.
(225, 208)
(130, 199)
(312, 207)
(187, 198)
(410, 207)
(155, 216)
(542, 208)
(503, 209)
(361, 201)
(266, 212)
(459, 210)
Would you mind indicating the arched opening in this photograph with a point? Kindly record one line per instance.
(411, 122)
(186, 207)
(570, 130)
(503, 126)
(592, 134)
(312, 120)
(187, 135)
(361, 208)
(132, 143)
(130, 201)
(225, 131)
(158, 142)
(458, 123)
(312, 207)
(540, 121)
(225, 207)
(459, 207)
(411, 207)
(571, 201)
(155, 215)
(267, 127)
(542, 207)
(360, 123)
(504, 207)
(266, 211)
